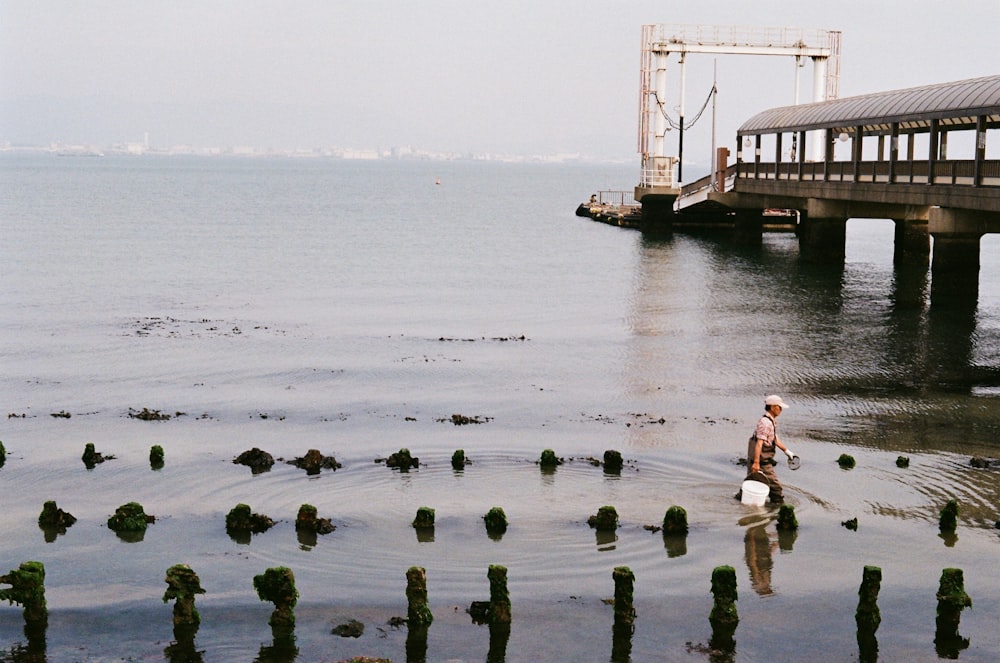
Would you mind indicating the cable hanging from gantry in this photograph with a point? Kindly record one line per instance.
(675, 124)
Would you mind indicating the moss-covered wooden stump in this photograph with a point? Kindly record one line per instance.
(613, 461)
(256, 459)
(902, 462)
(130, 521)
(787, 521)
(675, 521)
(548, 460)
(724, 592)
(624, 588)
(951, 600)
(183, 585)
(156, 457)
(241, 523)
(496, 521)
(499, 610)
(418, 612)
(458, 460)
(948, 517)
(308, 520)
(314, 462)
(424, 518)
(277, 585)
(3, 454)
(402, 460)
(868, 616)
(27, 589)
(605, 520)
(91, 458)
(54, 520)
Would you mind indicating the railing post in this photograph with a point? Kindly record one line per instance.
(893, 151)
(932, 151)
(977, 169)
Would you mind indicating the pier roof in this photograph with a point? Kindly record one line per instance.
(956, 105)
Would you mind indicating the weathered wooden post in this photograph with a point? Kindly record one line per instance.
(27, 588)
(3, 454)
(424, 518)
(458, 460)
(948, 517)
(308, 525)
(548, 460)
(54, 521)
(496, 522)
(846, 461)
(868, 617)
(724, 618)
(130, 522)
(156, 457)
(613, 462)
(417, 611)
(183, 585)
(951, 600)
(277, 585)
(241, 523)
(499, 611)
(624, 624)
(606, 519)
(786, 519)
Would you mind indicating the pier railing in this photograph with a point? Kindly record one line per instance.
(948, 172)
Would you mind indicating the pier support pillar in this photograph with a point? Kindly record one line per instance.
(748, 227)
(657, 216)
(823, 232)
(912, 245)
(955, 259)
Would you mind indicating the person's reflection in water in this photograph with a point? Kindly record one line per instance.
(758, 556)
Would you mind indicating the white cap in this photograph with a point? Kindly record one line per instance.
(774, 399)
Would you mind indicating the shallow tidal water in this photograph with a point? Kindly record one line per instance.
(355, 307)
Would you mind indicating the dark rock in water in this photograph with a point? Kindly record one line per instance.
(258, 461)
(314, 461)
(350, 629)
(402, 460)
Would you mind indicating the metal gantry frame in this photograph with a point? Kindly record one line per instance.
(660, 41)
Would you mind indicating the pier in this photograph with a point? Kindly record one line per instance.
(808, 168)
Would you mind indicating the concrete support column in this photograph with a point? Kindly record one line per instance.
(657, 216)
(955, 259)
(748, 227)
(823, 232)
(955, 269)
(912, 246)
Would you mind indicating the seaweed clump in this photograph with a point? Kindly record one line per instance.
(846, 462)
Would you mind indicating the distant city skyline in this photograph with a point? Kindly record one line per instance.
(555, 78)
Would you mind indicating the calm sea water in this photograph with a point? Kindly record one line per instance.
(354, 307)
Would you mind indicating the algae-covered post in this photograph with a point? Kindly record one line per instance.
(91, 457)
(130, 521)
(951, 600)
(418, 613)
(612, 462)
(549, 460)
(499, 611)
(624, 587)
(27, 588)
(277, 585)
(496, 522)
(308, 520)
(424, 518)
(54, 520)
(241, 523)
(786, 518)
(867, 615)
(846, 461)
(948, 521)
(156, 457)
(402, 460)
(675, 521)
(605, 520)
(3, 454)
(458, 460)
(183, 585)
(725, 594)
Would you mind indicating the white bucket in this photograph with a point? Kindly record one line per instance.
(754, 492)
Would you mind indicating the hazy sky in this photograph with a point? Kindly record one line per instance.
(525, 77)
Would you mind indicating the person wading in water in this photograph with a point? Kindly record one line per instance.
(761, 448)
